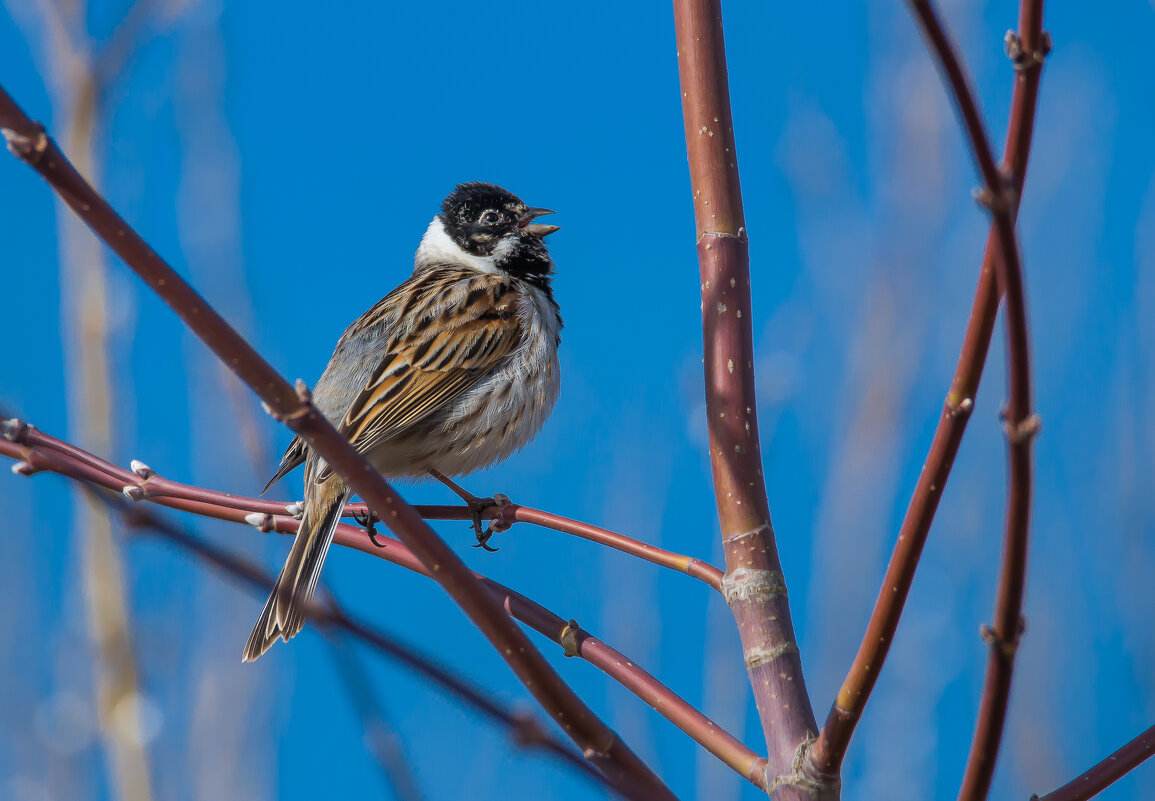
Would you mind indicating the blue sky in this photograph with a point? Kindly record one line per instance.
(288, 163)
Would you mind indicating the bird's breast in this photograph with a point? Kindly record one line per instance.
(506, 409)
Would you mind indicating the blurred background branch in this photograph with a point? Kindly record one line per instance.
(1107, 772)
(83, 73)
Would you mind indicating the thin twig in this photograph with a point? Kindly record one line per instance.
(598, 742)
(515, 513)
(1019, 423)
(155, 485)
(830, 749)
(753, 585)
(36, 451)
(1107, 772)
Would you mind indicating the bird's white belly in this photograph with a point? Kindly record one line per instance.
(499, 417)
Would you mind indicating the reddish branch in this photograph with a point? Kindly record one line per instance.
(515, 513)
(523, 729)
(598, 742)
(1002, 192)
(156, 486)
(36, 451)
(1019, 422)
(1107, 772)
(753, 584)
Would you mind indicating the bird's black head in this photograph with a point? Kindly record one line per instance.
(493, 225)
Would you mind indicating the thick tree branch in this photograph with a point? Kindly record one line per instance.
(1107, 772)
(753, 585)
(598, 742)
(1027, 49)
(36, 451)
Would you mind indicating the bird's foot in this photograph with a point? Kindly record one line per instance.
(479, 505)
(369, 522)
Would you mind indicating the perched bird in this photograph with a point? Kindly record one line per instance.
(452, 371)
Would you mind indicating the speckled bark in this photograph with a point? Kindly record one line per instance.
(754, 586)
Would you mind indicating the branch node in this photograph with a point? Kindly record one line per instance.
(804, 776)
(1007, 646)
(305, 396)
(1023, 431)
(962, 409)
(506, 517)
(23, 469)
(303, 393)
(141, 469)
(296, 509)
(740, 236)
(1020, 58)
(754, 532)
(134, 493)
(569, 638)
(26, 148)
(749, 584)
(270, 411)
(261, 521)
(15, 430)
(760, 655)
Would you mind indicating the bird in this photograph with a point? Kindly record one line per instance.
(454, 370)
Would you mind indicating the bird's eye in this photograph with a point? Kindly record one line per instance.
(489, 218)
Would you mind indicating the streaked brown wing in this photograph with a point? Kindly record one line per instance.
(438, 361)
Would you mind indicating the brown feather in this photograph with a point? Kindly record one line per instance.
(426, 367)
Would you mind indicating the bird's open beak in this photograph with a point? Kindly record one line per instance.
(526, 223)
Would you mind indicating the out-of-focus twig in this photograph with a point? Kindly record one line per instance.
(1027, 49)
(383, 744)
(35, 451)
(29, 142)
(1107, 772)
(82, 74)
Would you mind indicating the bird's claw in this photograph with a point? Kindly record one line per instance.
(369, 522)
(477, 506)
(483, 539)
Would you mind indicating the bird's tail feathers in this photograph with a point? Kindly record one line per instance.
(284, 612)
